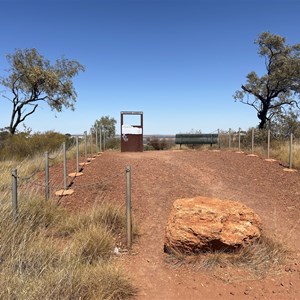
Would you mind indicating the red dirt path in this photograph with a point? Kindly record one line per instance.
(159, 178)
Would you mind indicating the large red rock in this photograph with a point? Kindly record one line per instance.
(201, 224)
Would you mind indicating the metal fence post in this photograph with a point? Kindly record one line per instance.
(252, 141)
(15, 193)
(47, 189)
(91, 141)
(269, 138)
(104, 139)
(128, 207)
(100, 138)
(239, 139)
(229, 138)
(65, 165)
(291, 152)
(77, 155)
(85, 146)
(96, 137)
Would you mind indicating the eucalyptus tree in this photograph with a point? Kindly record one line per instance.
(32, 79)
(278, 90)
(108, 124)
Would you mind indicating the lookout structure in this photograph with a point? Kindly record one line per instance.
(132, 135)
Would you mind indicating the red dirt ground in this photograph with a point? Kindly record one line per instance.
(161, 177)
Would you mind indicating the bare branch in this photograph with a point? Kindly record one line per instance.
(253, 104)
(7, 98)
(281, 104)
(253, 93)
(28, 114)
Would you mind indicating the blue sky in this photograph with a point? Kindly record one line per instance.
(178, 61)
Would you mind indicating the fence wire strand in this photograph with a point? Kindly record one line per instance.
(57, 154)
(31, 184)
(55, 184)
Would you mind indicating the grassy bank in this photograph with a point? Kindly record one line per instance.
(48, 253)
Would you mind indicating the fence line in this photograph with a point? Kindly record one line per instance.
(269, 141)
(128, 207)
(230, 137)
(15, 193)
(252, 141)
(291, 152)
(51, 183)
(47, 190)
(19, 182)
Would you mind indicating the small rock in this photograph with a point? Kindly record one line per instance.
(287, 269)
(247, 290)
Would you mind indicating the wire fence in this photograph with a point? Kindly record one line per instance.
(265, 143)
(254, 141)
(32, 184)
(38, 180)
(271, 145)
(85, 148)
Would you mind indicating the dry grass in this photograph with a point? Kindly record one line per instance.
(48, 253)
(262, 256)
(92, 244)
(30, 166)
(279, 149)
(258, 259)
(37, 264)
(102, 214)
(38, 214)
(282, 150)
(68, 280)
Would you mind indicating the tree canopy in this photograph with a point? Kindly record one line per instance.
(108, 124)
(285, 124)
(33, 79)
(278, 90)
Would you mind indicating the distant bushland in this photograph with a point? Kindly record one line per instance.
(26, 145)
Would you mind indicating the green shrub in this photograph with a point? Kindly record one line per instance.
(260, 139)
(159, 144)
(113, 143)
(23, 145)
(148, 148)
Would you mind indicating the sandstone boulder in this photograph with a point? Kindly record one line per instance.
(201, 224)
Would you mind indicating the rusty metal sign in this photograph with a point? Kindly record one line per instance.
(132, 134)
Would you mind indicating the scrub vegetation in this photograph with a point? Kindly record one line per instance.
(49, 253)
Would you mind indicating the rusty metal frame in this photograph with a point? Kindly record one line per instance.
(132, 142)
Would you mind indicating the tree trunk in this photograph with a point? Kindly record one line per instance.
(263, 114)
(12, 130)
(262, 124)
